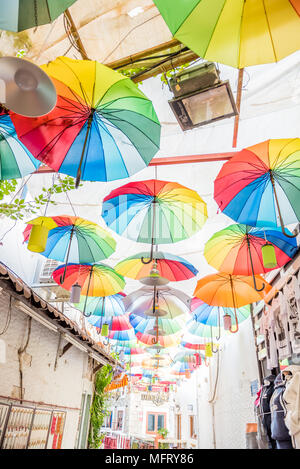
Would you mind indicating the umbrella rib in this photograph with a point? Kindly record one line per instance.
(270, 34)
(80, 84)
(138, 128)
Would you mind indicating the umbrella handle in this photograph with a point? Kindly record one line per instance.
(255, 286)
(78, 176)
(286, 234)
(63, 276)
(86, 315)
(236, 324)
(152, 239)
(151, 257)
(252, 268)
(206, 361)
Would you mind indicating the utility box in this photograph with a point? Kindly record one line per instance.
(194, 78)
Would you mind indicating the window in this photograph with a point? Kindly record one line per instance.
(192, 426)
(155, 422)
(120, 419)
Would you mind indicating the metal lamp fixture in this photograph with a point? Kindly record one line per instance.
(154, 278)
(25, 88)
(200, 97)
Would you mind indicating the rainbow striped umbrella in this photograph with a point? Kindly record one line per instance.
(168, 326)
(94, 279)
(15, 159)
(237, 249)
(174, 302)
(164, 341)
(105, 307)
(115, 323)
(75, 240)
(169, 266)
(213, 315)
(260, 185)
(236, 33)
(102, 128)
(154, 212)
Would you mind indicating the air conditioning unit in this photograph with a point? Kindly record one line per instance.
(46, 272)
(200, 97)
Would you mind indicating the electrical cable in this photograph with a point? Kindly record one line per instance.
(8, 318)
(127, 34)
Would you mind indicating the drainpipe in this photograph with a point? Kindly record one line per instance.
(260, 374)
(213, 399)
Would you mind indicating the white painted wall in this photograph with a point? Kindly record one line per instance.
(234, 405)
(62, 386)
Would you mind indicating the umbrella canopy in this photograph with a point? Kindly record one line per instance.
(103, 127)
(203, 332)
(186, 356)
(153, 211)
(107, 306)
(213, 315)
(17, 15)
(15, 159)
(181, 368)
(240, 33)
(164, 341)
(173, 268)
(232, 291)
(236, 247)
(115, 323)
(76, 240)
(168, 326)
(94, 279)
(174, 302)
(260, 186)
(122, 336)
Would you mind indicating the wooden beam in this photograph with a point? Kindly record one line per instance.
(65, 349)
(189, 159)
(75, 34)
(171, 160)
(238, 106)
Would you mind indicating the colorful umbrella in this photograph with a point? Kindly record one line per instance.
(164, 341)
(15, 160)
(120, 337)
(173, 268)
(76, 240)
(211, 315)
(147, 299)
(181, 368)
(103, 127)
(237, 249)
(115, 323)
(155, 212)
(260, 186)
(17, 15)
(94, 279)
(231, 291)
(168, 326)
(238, 34)
(105, 307)
(186, 356)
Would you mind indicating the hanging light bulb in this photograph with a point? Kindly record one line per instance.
(75, 293)
(269, 256)
(227, 322)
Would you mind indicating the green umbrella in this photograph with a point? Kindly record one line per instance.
(17, 15)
